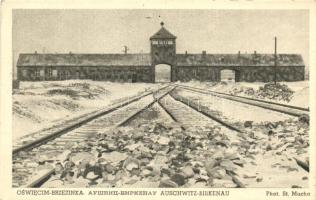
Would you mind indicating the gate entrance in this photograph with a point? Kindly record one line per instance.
(228, 75)
(162, 73)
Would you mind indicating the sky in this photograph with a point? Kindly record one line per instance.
(107, 31)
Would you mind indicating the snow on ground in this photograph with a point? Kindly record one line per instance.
(235, 111)
(300, 97)
(38, 105)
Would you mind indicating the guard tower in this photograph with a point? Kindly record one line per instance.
(163, 47)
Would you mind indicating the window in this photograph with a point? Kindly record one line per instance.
(42, 73)
(55, 73)
(162, 42)
(24, 73)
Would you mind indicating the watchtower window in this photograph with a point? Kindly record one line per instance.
(162, 42)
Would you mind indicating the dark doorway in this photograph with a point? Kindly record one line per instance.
(162, 73)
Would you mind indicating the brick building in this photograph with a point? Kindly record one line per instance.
(141, 67)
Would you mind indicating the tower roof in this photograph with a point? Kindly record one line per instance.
(163, 33)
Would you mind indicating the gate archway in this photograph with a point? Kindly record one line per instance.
(162, 73)
(229, 75)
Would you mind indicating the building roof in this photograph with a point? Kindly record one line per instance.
(145, 60)
(163, 34)
(84, 60)
(238, 60)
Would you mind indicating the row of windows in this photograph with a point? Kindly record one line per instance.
(41, 73)
(162, 42)
(54, 73)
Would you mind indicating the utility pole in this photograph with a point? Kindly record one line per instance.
(275, 60)
(125, 49)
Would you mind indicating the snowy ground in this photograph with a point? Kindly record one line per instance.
(153, 151)
(37, 105)
(270, 150)
(233, 111)
(300, 97)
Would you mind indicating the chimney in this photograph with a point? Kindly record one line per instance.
(238, 54)
(255, 52)
(203, 54)
(70, 52)
(186, 52)
(35, 52)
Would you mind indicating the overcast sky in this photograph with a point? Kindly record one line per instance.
(107, 31)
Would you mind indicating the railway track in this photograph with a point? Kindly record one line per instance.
(54, 144)
(278, 107)
(187, 114)
(180, 112)
(45, 136)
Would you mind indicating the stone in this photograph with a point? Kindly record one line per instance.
(146, 172)
(163, 140)
(178, 178)
(137, 136)
(248, 124)
(131, 166)
(188, 171)
(135, 172)
(219, 173)
(269, 147)
(209, 165)
(228, 165)
(109, 168)
(218, 155)
(132, 147)
(131, 163)
(239, 162)
(114, 157)
(167, 184)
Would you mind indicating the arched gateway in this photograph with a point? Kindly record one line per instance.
(162, 73)
(163, 50)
